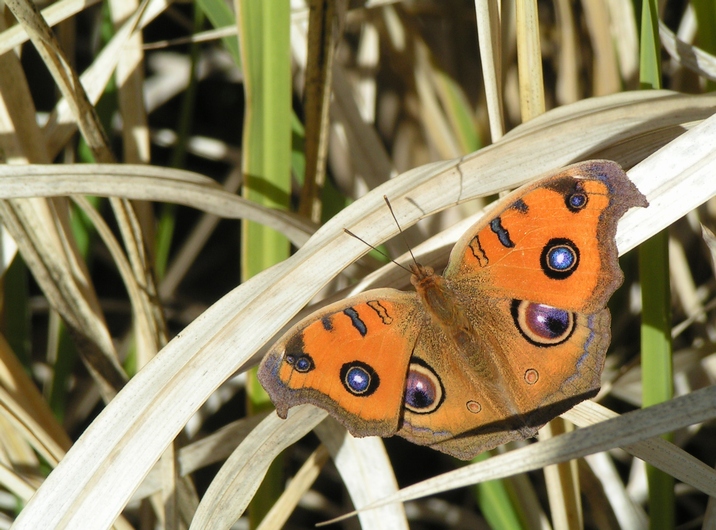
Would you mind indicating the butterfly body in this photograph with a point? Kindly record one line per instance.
(511, 335)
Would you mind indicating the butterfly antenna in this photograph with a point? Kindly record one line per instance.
(402, 234)
(377, 250)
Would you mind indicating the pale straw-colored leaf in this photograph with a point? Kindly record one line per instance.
(25, 404)
(660, 453)
(624, 430)
(152, 334)
(606, 71)
(440, 132)
(53, 14)
(238, 479)
(61, 124)
(366, 473)
(562, 483)
(568, 86)
(190, 248)
(279, 513)
(39, 227)
(130, 82)
(16, 484)
(683, 285)
(64, 76)
(623, 31)
(213, 448)
(490, 39)
(353, 139)
(687, 55)
(151, 183)
(137, 297)
(627, 512)
(529, 60)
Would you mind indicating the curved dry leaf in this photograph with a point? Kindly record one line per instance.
(656, 451)
(53, 14)
(628, 513)
(616, 432)
(688, 56)
(279, 513)
(234, 485)
(366, 472)
(490, 40)
(16, 484)
(145, 310)
(150, 183)
(201, 453)
(61, 125)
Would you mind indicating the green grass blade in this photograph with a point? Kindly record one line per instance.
(705, 11)
(220, 15)
(495, 502)
(656, 354)
(167, 219)
(264, 29)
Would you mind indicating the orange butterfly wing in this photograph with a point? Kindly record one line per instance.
(349, 358)
(551, 241)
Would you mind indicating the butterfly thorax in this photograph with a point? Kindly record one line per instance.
(441, 303)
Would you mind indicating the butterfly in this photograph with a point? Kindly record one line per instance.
(511, 335)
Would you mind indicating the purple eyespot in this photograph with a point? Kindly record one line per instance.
(541, 324)
(423, 389)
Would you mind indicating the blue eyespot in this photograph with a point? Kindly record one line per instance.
(301, 363)
(577, 201)
(559, 258)
(359, 379)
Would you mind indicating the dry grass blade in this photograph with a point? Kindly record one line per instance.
(529, 60)
(624, 430)
(16, 484)
(61, 124)
(366, 472)
(149, 183)
(54, 14)
(40, 229)
(64, 75)
(606, 70)
(691, 57)
(143, 311)
(567, 89)
(209, 450)
(23, 406)
(658, 452)
(130, 81)
(40, 234)
(488, 19)
(152, 330)
(240, 476)
(300, 483)
(675, 180)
